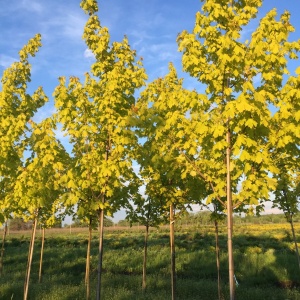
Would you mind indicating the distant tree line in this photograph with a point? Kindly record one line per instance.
(205, 218)
(21, 224)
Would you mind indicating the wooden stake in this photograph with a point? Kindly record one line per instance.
(172, 246)
(229, 218)
(145, 258)
(42, 253)
(88, 263)
(29, 262)
(2, 248)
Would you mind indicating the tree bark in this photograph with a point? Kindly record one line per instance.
(172, 246)
(29, 262)
(3, 248)
(220, 295)
(289, 217)
(145, 258)
(88, 263)
(42, 253)
(294, 238)
(229, 218)
(101, 222)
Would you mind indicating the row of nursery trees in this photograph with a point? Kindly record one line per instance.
(224, 146)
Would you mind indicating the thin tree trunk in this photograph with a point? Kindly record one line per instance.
(3, 249)
(172, 246)
(229, 219)
(220, 295)
(145, 257)
(42, 253)
(294, 238)
(101, 222)
(88, 263)
(289, 217)
(29, 262)
(101, 225)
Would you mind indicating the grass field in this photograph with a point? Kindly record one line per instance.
(265, 264)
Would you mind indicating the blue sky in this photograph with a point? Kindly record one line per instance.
(150, 25)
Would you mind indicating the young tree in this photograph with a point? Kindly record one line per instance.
(167, 194)
(97, 117)
(149, 212)
(285, 151)
(37, 189)
(162, 110)
(17, 107)
(242, 79)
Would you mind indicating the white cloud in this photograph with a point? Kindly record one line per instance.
(72, 25)
(44, 112)
(68, 25)
(88, 53)
(34, 6)
(146, 22)
(6, 61)
(269, 210)
(160, 51)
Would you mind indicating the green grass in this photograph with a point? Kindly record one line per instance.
(265, 265)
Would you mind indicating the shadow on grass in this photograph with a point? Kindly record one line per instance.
(265, 268)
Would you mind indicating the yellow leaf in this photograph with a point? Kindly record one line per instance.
(193, 173)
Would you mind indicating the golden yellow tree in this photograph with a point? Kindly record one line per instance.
(97, 116)
(242, 78)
